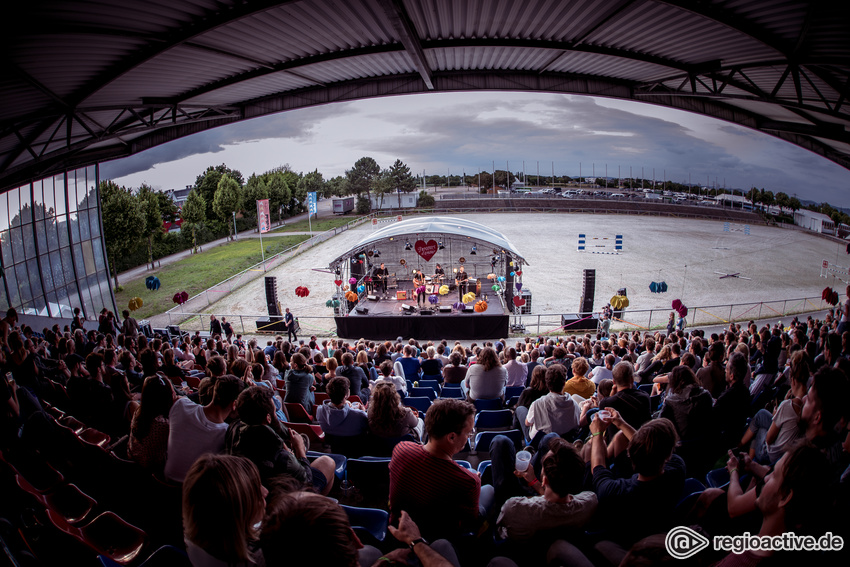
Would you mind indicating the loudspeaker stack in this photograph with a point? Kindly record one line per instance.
(589, 290)
(271, 296)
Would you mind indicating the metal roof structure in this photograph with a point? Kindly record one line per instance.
(437, 227)
(93, 80)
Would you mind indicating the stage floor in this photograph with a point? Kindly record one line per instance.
(388, 304)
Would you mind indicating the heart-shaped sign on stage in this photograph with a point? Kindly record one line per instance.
(518, 301)
(519, 286)
(519, 273)
(337, 283)
(426, 249)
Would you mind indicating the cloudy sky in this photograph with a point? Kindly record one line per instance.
(460, 132)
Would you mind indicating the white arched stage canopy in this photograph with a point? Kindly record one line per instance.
(380, 310)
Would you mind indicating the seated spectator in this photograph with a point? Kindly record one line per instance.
(170, 369)
(387, 376)
(339, 417)
(431, 366)
(148, 442)
(630, 402)
(223, 503)
(556, 412)
(388, 418)
(825, 415)
(793, 499)
(558, 502)
(195, 429)
(517, 371)
(712, 377)
(441, 496)
(534, 355)
(600, 373)
(579, 385)
(687, 405)
(454, 373)
(299, 383)
(486, 379)
(411, 365)
(559, 356)
(769, 435)
(357, 380)
(633, 508)
(258, 436)
(732, 408)
(536, 389)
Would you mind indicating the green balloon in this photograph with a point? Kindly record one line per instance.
(495, 288)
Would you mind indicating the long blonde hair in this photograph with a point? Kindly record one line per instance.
(222, 502)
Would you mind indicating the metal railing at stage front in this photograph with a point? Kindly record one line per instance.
(551, 323)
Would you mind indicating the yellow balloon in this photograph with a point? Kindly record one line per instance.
(444, 290)
(468, 297)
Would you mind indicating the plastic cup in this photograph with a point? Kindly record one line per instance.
(522, 460)
(604, 415)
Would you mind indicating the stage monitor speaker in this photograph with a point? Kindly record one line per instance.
(426, 312)
(362, 310)
(572, 322)
(145, 328)
(586, 304)
(271, 295)
(408, 308)
(445, 308)
(372, 297)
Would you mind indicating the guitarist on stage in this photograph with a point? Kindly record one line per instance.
(462, 282)
(381, 275)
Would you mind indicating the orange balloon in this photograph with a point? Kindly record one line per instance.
(481, 306)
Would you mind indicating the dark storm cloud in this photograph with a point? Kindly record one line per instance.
(293, 125)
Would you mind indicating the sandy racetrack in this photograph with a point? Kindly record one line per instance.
(782, 264)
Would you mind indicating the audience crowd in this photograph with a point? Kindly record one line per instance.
(618, 427)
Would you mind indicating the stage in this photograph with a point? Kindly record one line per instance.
(385, 316)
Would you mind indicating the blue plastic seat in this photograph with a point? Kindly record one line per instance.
(483, 466)
(512, 402)
(493, 419)
(717, 478)
(368, 470)
(692, 485)
(464, 464)
(372, 520)
(482, 405)
(419, 403)
(339, 460)
(449, 392)
(646, 388)
(483, 439)
(432, 383)
(423, 391)
(512, 391)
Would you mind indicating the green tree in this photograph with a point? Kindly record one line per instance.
(336, 187)
(426, 199)
(227, 200)
(753, 195)
(206, 185)
(360, 177)
(381, 187)
(400, 179)
(194, 214)
(767, 198)
(782, 201)
(280, 191)
(255, 190)
(794, 204)
(167, 208)
(149, 201)
(123, 222)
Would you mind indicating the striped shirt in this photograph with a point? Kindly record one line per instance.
(440, 495)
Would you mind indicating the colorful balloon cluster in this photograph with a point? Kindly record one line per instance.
(444, 290)
(135, 303)
(180, 298)
(432, 299)
(351, 296)
(829, 296)
(332, 303)
(481, 306)
(468, 297)
(302, 291)
(679, 308)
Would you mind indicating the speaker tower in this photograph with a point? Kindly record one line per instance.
(589, 290)
(271, 296)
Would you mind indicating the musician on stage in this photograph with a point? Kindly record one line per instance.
(439, 274)
(462, 282)
(381, 275)
(419, 287)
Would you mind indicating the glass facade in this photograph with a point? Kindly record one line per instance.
(51, 247)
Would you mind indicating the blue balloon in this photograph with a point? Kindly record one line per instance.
(513, 274)
(361, 288)
(501, 278)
